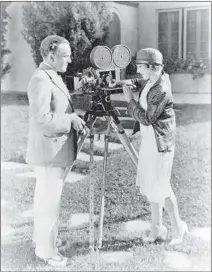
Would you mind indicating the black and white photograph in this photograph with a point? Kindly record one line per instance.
(105, 135)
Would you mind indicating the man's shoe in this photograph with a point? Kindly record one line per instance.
(156, 234)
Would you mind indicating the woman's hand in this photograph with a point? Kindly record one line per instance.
(127, 93)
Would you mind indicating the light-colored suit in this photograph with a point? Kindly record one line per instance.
(51, 141)
(52, 145)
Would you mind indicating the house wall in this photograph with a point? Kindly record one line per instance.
(147, 19)
(184, 83)
(21, 61)
(128, 15)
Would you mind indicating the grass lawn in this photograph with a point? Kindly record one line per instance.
(125, 209)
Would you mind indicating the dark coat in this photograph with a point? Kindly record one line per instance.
(52, 141)
(159, 114)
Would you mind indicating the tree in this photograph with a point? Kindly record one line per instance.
(83, 24)
(5, 67)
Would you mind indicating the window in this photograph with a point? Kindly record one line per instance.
(196, 33)
(169, 33)
(184, 33)
(114, 35)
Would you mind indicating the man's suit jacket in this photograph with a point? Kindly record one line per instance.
(52, 141)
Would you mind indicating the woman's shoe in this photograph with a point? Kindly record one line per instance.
(156, 233)
(58, 261)
(183, 230)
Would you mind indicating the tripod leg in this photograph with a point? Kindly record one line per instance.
(91, 195)
(126, 142)
(102, 203)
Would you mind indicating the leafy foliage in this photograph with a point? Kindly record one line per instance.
(83, 24)
(5, 67)
(196, 67)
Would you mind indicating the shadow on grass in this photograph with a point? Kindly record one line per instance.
(122, 219)
(22, 224)
(16, 158)
(20, 256)
(185, 113)
(82, 248)
(14, 98)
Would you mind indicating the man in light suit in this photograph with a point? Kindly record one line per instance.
(52, 143)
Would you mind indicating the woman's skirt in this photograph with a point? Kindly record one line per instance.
(154, 168)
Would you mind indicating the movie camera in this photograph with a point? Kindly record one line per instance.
(99, 81)
(106, 68)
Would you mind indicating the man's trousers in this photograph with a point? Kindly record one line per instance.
(48, 190)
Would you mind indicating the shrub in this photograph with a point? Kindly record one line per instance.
(5, 67)
(83, 24)
(197, 68)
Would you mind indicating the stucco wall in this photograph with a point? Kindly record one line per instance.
(22, 63)
(147, 19)
(184, 83)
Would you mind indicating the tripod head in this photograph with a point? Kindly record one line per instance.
(101, 101)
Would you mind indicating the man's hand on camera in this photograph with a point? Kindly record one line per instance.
(77, 123)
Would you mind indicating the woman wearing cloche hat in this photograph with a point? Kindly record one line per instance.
(155, 116)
